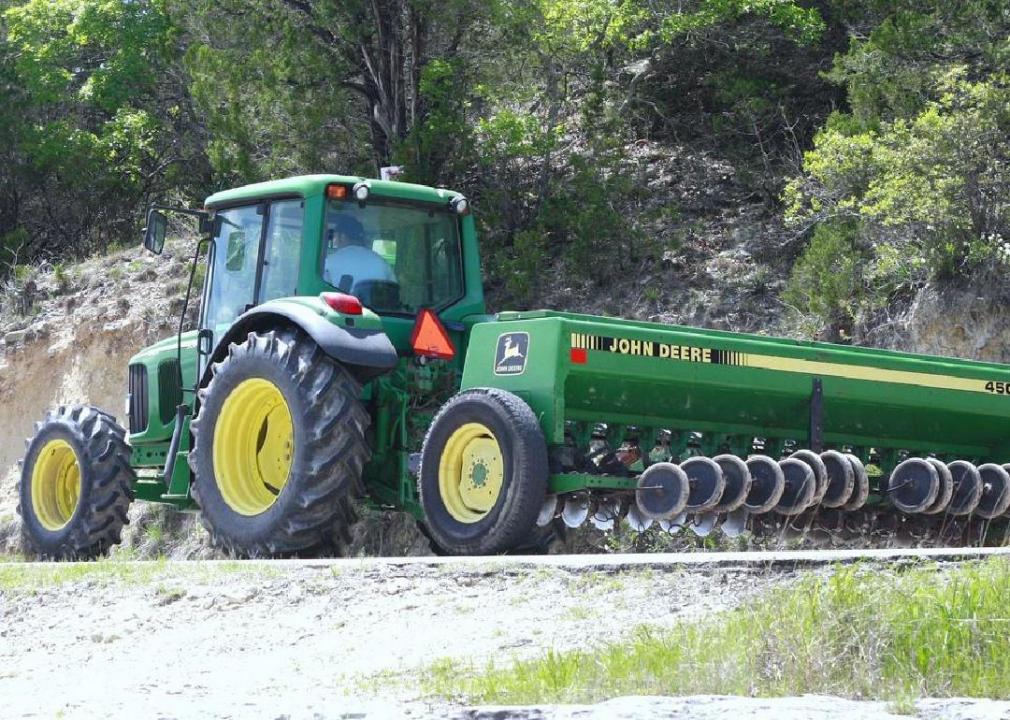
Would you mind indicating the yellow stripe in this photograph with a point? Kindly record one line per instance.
(858, 372)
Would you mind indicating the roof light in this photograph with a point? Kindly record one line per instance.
(360, 191)
(459, 205)
(343, 303)
(336, 192)
(430, 338)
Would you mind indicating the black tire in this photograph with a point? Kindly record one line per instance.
(312, 513)
(539, 543)
(105, 491)
(510, 523)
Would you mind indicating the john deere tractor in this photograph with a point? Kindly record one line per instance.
(344, 351)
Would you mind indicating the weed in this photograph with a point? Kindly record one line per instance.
(579, 612)
(61, 277)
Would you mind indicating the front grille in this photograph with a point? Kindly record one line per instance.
(169, 391)
(138, 399)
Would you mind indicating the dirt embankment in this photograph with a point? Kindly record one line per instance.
(74, 343)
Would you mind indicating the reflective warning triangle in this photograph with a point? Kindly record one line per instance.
(430, 337)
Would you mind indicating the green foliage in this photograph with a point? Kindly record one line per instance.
(827, 279)
(440, 143)
(585, 219)
(530, 107)
(920, 159)
(521, 266)
(92, 121)
(858, 633)
(61, 277)
(263, 84)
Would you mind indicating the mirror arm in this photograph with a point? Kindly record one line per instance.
(203, 215)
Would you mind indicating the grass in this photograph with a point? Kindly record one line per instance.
(27, 576)
(858, 633)
(31, 576)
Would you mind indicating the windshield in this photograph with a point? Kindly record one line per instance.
(395, 258)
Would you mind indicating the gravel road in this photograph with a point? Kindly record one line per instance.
(337, 640)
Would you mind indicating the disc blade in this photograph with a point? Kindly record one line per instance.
(675, 524)
(547, 511)
(706, 483)
(735, 523)
(608, 512)
(995, 498)
(704, 524)
(767, 484)
(967, 487)
(913, 485)
(636, 520)
(575, 511)
(946, 487)
(662, 491)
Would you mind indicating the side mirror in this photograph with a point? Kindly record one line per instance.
(154, 235)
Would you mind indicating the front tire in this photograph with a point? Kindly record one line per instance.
(76, 484)
(279, 447)
(483, 474)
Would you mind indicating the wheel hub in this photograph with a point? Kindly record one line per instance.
(471, 472)
(56, 485)
(253, 446)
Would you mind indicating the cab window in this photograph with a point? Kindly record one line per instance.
(395, 258)
(282, 250)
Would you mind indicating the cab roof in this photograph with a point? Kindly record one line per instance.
(307, 185)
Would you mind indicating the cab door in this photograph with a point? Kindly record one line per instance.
(255, 258)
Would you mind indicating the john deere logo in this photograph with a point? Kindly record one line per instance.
(510, 359)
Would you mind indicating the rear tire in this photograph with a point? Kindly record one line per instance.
(76, 484)
(483, 474)
(279, 448)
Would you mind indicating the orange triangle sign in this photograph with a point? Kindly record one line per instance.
(430, 338)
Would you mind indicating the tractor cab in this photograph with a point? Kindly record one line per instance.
(395, 247)
(367, 271)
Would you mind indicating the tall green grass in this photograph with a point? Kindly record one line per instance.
(860, 633)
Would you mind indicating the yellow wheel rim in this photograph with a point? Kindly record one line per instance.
(253, 446)
(56, 485)
(471, 473)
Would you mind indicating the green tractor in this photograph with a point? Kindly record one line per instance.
(344, 351)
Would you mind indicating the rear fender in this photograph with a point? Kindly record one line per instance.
(366, 353)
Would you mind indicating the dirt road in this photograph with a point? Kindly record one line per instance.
(331, 639)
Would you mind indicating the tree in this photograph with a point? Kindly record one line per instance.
(100, 121)
(918, 166)
(318, 73)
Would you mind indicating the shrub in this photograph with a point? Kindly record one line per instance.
(827, 279)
